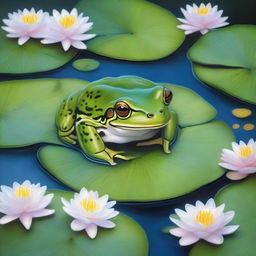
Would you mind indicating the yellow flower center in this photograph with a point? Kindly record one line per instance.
(29, 18)
(89, 205)
(67, 21)
(202, 10)
(205, 218)
(246, 151)
(23, 191)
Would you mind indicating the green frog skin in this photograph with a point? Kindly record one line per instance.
(117, 110)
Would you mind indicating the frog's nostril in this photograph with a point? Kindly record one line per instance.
(150, 115)
(161, 111)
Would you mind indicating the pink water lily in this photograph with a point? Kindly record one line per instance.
(201, 18)
(241, 161)
(26, 24)
(69, 29)
(90, 212)
(24, 202)
(202, 221)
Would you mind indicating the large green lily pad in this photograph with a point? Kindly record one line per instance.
(28, 108)
(131, 29)
(30, 57)
(225, 59)
(53, 236)
(239, 197)
(153, 175)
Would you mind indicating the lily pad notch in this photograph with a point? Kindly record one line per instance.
(225, 59)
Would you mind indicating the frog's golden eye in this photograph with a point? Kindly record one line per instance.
(122, 109)
(167, 96)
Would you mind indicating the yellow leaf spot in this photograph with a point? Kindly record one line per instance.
(241, 112)
(236, 126)
(205, 218)
(249, 127)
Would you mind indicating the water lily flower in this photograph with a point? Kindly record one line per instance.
(90, 212)
(201, 18)
(24, 202)
(69, 29)
(241, 160)
(202, 221)
(26, 24)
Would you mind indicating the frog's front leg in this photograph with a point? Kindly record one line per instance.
(168, 132)
(92, 144)
(167, 135)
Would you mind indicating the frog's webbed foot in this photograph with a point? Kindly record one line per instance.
(117, 154)
(109, 155)
(159, 141)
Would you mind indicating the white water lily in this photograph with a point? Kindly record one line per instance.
(201, 18)
(26, 24)
(24, 202)
(69, 29)
(202, 221)
(90, 212)
(241, 160)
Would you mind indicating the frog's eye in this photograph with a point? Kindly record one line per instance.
(122, 109)
(167, 96)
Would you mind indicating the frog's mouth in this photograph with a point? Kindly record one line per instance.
(145, 127)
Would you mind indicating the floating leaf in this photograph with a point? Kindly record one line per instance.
(225, 59)
(86, 64)
(239, 197)
(131, 29)
(28, 107)
(153, 175)
(53, 236)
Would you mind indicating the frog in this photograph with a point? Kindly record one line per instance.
(117, 110)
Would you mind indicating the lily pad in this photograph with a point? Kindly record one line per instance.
(85, 64)
(30, 57)
(28, 107)
(53, 236)
(225, 59)
(239, 197)
(131, 29)
(153, 175)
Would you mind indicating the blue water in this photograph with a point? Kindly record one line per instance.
(21, 164)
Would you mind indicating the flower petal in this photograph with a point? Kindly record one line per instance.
(26, 220)
(188, 239)
(236, 175)
(7, 218)
(91, 230)
(42, 213)
(22, 40)
(229, 229)
(66, 44)
(215, 239)
(77, 225)
(179, 232)
(105, 224)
